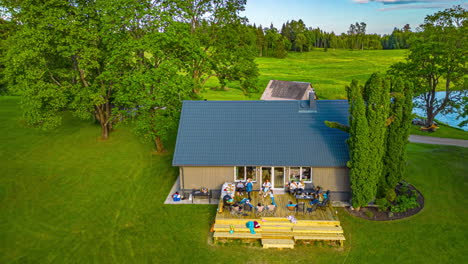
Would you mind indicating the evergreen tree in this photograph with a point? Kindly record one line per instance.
(363, 189)
(397, 136)
(376, 95)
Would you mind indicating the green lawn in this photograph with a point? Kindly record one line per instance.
(329, 72)
(444, 131)
(67, 197)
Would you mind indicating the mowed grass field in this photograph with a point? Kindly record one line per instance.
(328, 72)
(68, 197)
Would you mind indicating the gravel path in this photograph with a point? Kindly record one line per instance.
(438, 141)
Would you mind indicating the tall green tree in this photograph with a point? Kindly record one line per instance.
(216, 38)
(398, 130)
(363, 189)
(377, 98)
(67, 55)
(7, 28)
(438, 55)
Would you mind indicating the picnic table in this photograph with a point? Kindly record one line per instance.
(302, 197)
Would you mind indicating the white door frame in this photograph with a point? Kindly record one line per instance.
(272, 178)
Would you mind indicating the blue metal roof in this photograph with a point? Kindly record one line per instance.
(261, 133)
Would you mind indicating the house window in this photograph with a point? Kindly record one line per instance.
(300, 174)
(306, 175)
(240, 173)
(243, 173)
(295, 173)
(251, 172)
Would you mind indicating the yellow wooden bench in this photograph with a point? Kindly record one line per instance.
(325, 237)
(278, 243)
(318, 229)
(235, 235)
(237, 228)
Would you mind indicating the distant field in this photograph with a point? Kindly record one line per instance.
(329, 72)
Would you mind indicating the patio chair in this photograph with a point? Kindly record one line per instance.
(291, 208)
(311, 209)
(300, 208)
(323, 205)
(236, 211)
(271, 210)
(261, 212)
(247, 208)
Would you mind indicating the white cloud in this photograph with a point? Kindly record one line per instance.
(400, 2)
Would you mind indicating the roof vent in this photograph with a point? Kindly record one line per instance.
(308, 106)
(312, 103)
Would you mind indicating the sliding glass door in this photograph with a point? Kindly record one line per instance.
(278, 178)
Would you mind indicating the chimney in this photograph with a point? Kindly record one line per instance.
(312, 103)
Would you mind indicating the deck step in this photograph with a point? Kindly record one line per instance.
(248, 235)
(338, 237)
(318, 229)
(276, 223)
(235, 221)
(317, 223)
(275, 219)
(237, 228)
(277, 227)
(278, 243)
(267, 229)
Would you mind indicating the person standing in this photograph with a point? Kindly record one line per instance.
(249, 187)
(272, 197)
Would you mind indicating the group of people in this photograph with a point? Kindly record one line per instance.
(296, 187)
(247, 187)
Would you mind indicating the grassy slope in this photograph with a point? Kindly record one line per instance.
(66, 197)
(444, 131)
(329, 72)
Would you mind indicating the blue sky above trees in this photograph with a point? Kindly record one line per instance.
(381, 16)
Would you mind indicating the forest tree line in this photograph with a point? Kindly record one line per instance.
(296, 36)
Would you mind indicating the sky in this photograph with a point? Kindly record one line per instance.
(381, 16)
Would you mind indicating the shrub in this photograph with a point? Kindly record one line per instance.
(391, 195)
(404, 203)
(383, 204)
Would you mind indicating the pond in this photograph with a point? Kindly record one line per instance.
(450, 119)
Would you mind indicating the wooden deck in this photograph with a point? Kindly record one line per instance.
(281, 201)
(277, 231)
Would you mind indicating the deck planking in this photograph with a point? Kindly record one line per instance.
(281, 212)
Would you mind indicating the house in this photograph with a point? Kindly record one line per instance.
(226, 141)
(286, 90)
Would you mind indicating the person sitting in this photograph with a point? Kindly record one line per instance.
(247, 205)
(244, 201)
(228, 200)
(237, 207)
(318, 190)
(260, 207)
(320, 197)
(293, 187)
(291, 206)
(240, 187)
(326, 194)
(300, 188)
(314, 200)
(266, 186)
